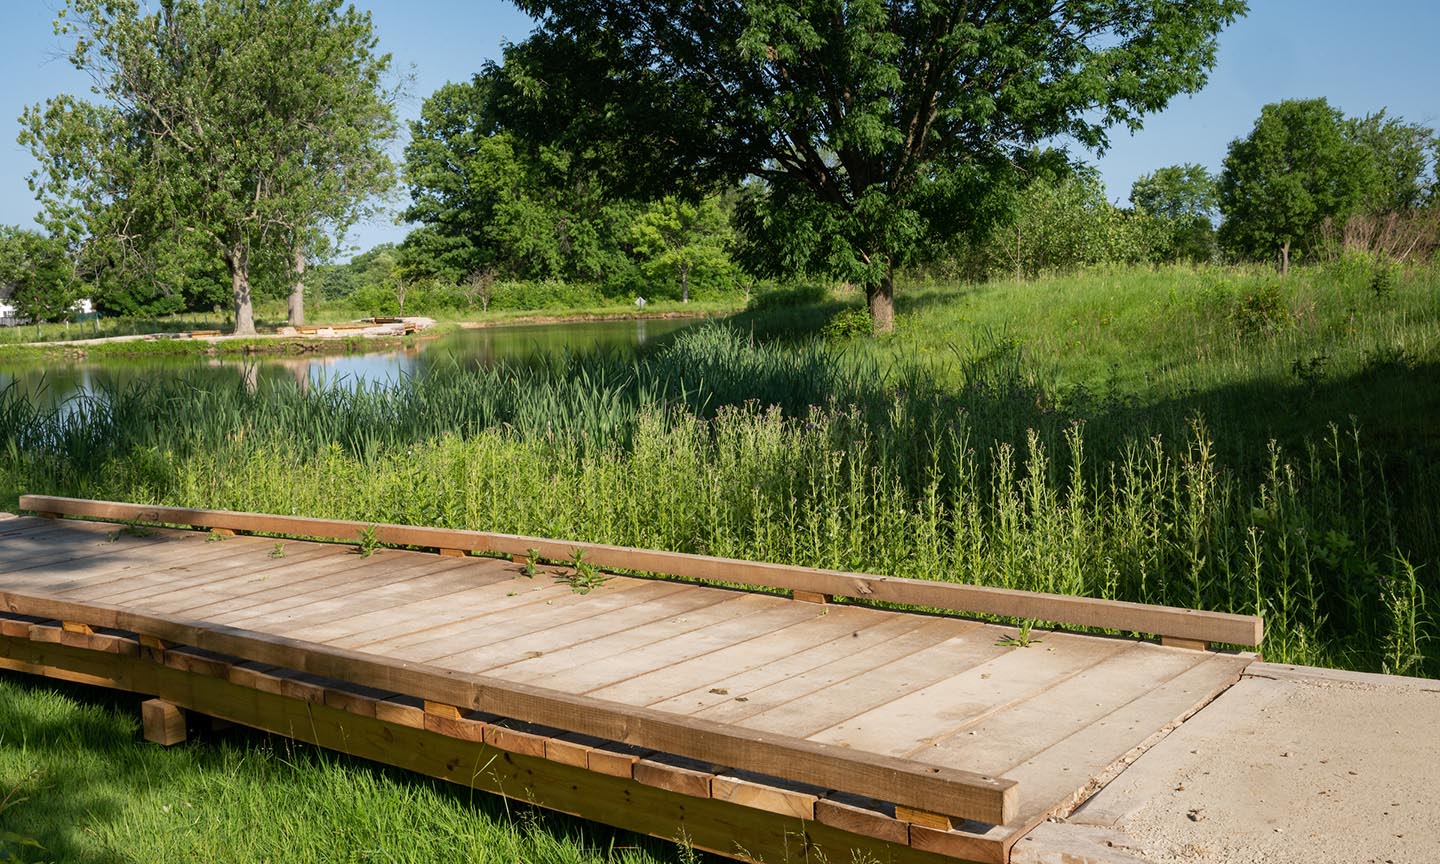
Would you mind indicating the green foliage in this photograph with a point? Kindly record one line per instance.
(847, 324)
(684, 240)
(584, 576)
(1299, 167)
(1260, 313)
(871, 129)
(1185, 198)
(243, 130)
(369, 541)
(488, 201)
(36, 275)
(1065, 222)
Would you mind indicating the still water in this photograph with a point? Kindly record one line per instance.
(54, 381)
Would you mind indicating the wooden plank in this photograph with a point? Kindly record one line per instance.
(703, 824)
(765, 793)
(811, 597)
(861, 816)
(354, 699)
(557, 623)
(669, 626)
(938, 821)
(806, 668)
(401, 710)
(410, 617)
(163, 722)
(836, 691)
(453, 553)
(1189, 644)
(912, 723)
(676, 774)
(369, 611)
(961, 793)
(984, 845)
(1007, 738)
(232, 579)
(571, 749)
(651, 674)
(253, 600)
(614, 759)
(1120, 734)
(147, 571)
(515, 737)
(1076, 611)
(75, 627)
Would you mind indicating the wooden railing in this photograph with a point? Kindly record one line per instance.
(1188, 626)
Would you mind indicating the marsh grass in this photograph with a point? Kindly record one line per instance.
(79, 782)
(1155, 451)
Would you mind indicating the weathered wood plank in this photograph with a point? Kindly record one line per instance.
(1077, 611)
(915, 722)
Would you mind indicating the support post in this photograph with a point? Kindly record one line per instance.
(163, 721)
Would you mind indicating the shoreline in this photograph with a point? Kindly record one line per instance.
(179, 344)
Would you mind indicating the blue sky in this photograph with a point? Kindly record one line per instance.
(1362, 57)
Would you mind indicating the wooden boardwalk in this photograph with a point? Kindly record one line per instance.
(739, 720)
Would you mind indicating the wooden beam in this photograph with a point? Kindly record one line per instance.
(452, 553)
(811, 597)
(1188, 644)
(923, 817)
(965, 794)
(163, 722)
(1192, 624)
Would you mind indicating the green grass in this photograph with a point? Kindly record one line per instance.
(76, 778)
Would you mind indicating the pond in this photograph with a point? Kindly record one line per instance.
(54, 381)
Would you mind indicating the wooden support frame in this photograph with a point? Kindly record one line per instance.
(709, 824)
(163, 722)
(1166, 621)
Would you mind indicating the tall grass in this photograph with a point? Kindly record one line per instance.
(802, 453)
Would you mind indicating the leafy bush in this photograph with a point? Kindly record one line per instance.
(1261, 313)
(847, 324)
(800, 294)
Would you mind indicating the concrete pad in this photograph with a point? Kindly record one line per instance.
(1297, 766)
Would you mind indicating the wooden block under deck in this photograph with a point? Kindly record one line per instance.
(970, 842)
(677, 774)
(764, 793)
(402, 711)
(452, 553)
(163, 722)
(937, 821)
(513, 737)
(571, 749)
(76, 627)
(440, 709)
(354, 698)
(200, 662)
(1189, 644)
(811, 596)
(467, 726)
(861, 816)
(614, 759)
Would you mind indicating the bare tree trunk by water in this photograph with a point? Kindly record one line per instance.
(297, 291)
(1285, 258)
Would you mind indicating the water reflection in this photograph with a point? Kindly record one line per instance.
(56, 381)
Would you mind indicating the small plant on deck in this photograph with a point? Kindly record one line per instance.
(216, 535)
(1022, 637)
(369, 541)
(278, 551)
(531, 555)
(584, 576)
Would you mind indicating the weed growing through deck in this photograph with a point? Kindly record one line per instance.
(369, 541)
(278, 551)
(531, 556)
(584, 576)
(1022, 637)
(215, 536)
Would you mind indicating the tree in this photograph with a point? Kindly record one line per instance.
(682, 236)
(252, 127)
(488, 201)
(1297, 168)
(874, 126)
(36, 275)
(1184, 197)
(1404, 159)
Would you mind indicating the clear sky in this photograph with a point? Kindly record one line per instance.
(1362, 57)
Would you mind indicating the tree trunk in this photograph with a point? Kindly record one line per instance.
(238, 260)
(881, 297)
(297, 290)
(684, 283)
(1285, 258)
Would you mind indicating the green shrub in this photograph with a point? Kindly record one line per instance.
(847, 324)
(1260, 313)
(801, 294)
